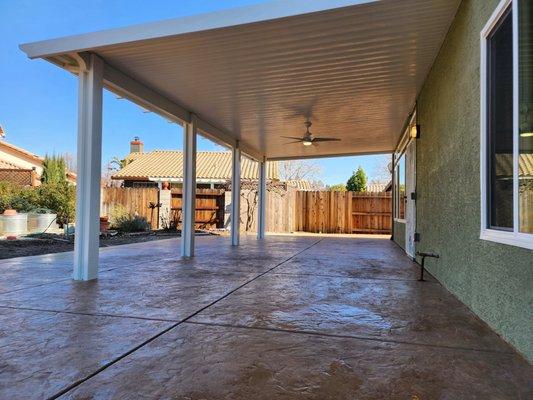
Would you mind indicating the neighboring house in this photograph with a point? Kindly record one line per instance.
(22, 166)
(301, 184)
(213, 168)
(379, 187)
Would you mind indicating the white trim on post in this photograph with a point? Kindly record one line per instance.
(189, 189)
(262, 189)
(89, 160)
(235, 194)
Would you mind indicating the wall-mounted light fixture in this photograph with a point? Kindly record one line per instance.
(414, 132)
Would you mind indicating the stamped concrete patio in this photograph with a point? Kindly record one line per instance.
(283, 318)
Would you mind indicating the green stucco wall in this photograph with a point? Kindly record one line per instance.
(494, 280)
(399, 234)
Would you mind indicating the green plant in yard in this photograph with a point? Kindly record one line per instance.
(118, 213)
(54, 170)
(119, 163)
(17, 197)
(60, 198)
(131, 223)
(357, 182)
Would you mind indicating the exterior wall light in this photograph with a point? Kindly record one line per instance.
(414, 132)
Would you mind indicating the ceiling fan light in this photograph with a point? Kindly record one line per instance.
(307, 143)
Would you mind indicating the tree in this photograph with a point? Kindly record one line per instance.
(118, 163)
(381, 172)
(295, 170)
(357, 182)
(54, 170)
(339, 187)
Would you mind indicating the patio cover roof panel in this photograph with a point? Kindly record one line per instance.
(353, 67)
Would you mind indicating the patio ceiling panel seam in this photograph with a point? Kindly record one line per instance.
(122, 84)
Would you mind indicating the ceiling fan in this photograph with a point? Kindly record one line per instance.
(308, 139)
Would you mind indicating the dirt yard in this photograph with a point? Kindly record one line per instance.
(47, 244)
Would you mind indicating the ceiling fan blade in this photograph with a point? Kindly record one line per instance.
(296, 141)
(323, 139)
(292, 137)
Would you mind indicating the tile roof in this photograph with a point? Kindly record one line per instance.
(21, 152)
(7, 165)
(300, 184)
(168, 164)
(376, 187)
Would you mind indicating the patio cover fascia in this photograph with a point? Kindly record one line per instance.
(259, 140)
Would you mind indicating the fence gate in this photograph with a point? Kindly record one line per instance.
(209, 207)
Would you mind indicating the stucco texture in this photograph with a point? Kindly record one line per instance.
(399, 234)
(494, 280)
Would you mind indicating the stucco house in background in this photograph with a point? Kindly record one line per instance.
(153, 168)
(21, 166)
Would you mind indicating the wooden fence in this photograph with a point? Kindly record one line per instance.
(131, 200)
(209, 207)
(280, 210)
(343, 212)
(287, 210)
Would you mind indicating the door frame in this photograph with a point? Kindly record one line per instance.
(407, 148)
(410, 191)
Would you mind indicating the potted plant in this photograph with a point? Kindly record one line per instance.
(104, 224)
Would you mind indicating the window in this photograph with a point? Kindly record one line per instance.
(507, 125)
(525, 130)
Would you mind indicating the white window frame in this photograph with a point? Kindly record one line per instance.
(514, 238)
(398, 154)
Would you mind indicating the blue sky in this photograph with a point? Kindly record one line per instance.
(38, 101)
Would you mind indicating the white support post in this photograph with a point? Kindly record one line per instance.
(235, 195)
(89, 160)
(189, 189)
(261, 213)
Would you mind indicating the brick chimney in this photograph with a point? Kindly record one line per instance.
(136, 146)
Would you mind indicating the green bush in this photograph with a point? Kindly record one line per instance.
(22, 199)
(60, 198)
(131, 223)
(54, 170)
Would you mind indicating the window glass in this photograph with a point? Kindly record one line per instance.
(525, 159)
(500, 124)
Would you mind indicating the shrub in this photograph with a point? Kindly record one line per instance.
(20, 198)
(54, 170)
(131, 223)
(59, 198)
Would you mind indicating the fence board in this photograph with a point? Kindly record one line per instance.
(135, 201)
(343, 212)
